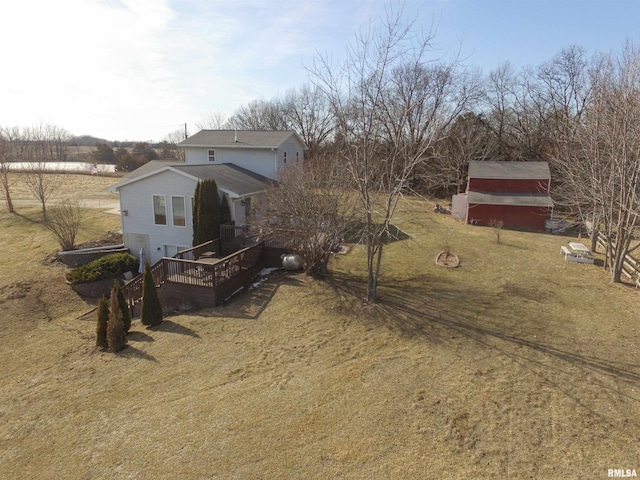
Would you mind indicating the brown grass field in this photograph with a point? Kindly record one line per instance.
(514, 365)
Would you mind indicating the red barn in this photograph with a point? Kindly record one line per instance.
(516, 193)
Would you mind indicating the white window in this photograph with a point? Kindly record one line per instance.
(212, 155)
(159, 210)
(179, 212)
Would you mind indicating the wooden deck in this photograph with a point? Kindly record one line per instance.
(218, 276)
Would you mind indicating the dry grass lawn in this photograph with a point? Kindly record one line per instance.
(515, 365)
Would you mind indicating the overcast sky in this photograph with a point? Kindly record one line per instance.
(141, 69)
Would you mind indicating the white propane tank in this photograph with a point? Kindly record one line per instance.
(291, 261)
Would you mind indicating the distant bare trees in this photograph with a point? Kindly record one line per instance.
(305, 110)
(170, 149)
(5, 180)
(213, 121)
(37, 145)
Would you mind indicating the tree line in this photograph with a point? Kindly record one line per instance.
(396, 120)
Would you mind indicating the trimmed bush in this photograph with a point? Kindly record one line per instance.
(103, 318)
(116, 338)
(151, 310)
(122, 303)
(206, 209)
(225, 210)
(109, 266)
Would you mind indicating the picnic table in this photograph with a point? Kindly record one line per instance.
(577, 252)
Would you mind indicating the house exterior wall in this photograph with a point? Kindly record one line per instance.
(520, 217)
(138, 227)
(240, 210)
(494, 185)
(294, 151)
(264, 161)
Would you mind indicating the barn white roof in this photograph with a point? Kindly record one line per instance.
(509, 170)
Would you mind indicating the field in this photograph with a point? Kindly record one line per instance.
(514, 365)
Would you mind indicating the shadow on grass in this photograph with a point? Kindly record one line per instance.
(355, 234)
(28, 219)
(139, 337)
(169, 326)
(133, 352)
(250, 303)
(439, 313)
(446, 315)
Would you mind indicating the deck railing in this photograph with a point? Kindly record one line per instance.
(194, 253)
(209, 273)
(133, 290)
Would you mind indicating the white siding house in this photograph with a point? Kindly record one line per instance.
(263, 152)
(157, 206)
(156, 200)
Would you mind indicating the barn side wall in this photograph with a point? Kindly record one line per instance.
(493, 185)
(518, 217)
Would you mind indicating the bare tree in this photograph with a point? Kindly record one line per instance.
(602, 166)
(42, 182)
(259, 115)
(310, 210)
(375, 113)
(468, 138)
(170, 148)
(213, 121)
(64, 221)
(567, 89)
(307, 112)
(5, 179)
(500, 101)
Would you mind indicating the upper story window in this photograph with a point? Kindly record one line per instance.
(159, 210)
(285, 157)
(297, 157)
(212, 155)
(179, 212)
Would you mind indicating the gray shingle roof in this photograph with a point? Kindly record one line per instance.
(521, 200)
(150, 167)
(245, 138)
(228, 177)
(506, 170)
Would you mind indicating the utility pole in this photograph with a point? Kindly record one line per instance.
(185, 131)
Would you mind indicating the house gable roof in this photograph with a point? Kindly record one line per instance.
(509, 170)
(229, 178)
(148, 167)
(240, 139)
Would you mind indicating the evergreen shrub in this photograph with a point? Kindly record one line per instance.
(116, 338)
(109, 266)
(103, 318)
(151, 310)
